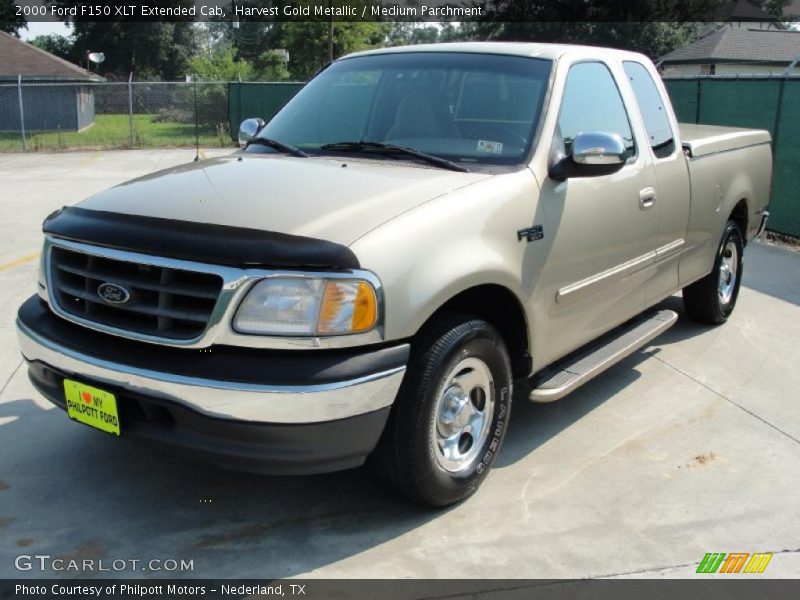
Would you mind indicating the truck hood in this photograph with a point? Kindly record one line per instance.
(321, 197)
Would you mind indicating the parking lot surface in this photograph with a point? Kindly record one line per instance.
(687, 447)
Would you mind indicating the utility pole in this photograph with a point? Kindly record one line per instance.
(130, 107)
(21, 113)
(196, 121)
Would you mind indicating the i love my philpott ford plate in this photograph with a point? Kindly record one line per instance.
(92, 406)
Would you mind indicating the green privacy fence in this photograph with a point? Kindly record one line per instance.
(250, 99)
(771, 103)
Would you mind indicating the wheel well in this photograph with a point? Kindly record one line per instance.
(739, 216)
(498, 306)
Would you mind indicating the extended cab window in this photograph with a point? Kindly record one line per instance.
(466, 108)
(651, 106)
(592, 102)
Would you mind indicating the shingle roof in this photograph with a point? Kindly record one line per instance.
(739, 45)
(21, 58)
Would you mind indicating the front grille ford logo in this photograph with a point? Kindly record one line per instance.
(113, 293)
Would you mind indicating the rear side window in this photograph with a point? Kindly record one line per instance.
(651, 105)
(592, 102)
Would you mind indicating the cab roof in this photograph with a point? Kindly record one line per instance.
(531, 50)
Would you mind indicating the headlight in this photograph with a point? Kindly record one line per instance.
(295, 306)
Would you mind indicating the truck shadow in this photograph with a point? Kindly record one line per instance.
(72, 492)
(533, 424)
(770, 270)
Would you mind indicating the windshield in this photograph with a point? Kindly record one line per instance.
(466, 108)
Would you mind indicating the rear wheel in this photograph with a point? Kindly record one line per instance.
(450, 417)
(713, 298)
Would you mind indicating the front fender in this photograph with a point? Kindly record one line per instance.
(460, 240)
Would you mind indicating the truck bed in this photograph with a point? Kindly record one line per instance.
(727, 167)
(702, 140)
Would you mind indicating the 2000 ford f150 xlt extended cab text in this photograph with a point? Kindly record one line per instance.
(363, 281)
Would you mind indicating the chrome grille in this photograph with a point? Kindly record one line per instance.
(164, 302)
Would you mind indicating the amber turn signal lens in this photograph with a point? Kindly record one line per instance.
(347, 307)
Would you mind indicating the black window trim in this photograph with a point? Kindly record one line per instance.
(637, 154)
(675, 138)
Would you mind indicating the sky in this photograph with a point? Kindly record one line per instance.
(35, 29)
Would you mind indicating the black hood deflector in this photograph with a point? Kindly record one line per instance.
(201, 242)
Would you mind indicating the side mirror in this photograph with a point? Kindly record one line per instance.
(249, 129)
(593, 153)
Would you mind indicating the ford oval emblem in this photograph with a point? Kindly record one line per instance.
(113, 293)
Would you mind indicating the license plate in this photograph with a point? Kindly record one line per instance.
(92, 406)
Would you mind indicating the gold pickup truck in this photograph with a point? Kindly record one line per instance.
(364, 281)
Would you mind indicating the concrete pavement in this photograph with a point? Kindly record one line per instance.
(688, 447)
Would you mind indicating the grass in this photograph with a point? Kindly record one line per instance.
(113, 131)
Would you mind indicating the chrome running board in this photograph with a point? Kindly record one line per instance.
(572, 372)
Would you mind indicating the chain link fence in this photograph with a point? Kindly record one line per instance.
(60, 116)
(771, 103)
(48, 116)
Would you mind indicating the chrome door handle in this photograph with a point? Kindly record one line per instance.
(647, 198)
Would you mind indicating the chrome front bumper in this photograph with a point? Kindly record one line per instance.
(256, 403)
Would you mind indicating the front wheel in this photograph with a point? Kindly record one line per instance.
(712, 299)
(450, 417)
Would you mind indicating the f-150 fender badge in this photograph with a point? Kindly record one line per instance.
(531, 234)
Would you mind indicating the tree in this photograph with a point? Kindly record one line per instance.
(409, 33)
(270, 66)
(586, 11)
(59, 45)
(307, 42)
(10, 22)
(221, 65)
(653, 27)
(459, 32)
(772, 7)
(406, 33)
(151, 50)
(651, 38)
(154, 50)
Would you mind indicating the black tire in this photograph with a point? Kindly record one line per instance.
(703, 300)
(407, 456)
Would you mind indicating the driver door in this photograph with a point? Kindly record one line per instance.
(602, 228)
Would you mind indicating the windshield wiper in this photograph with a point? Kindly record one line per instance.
(276, 145)
(390, 149)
